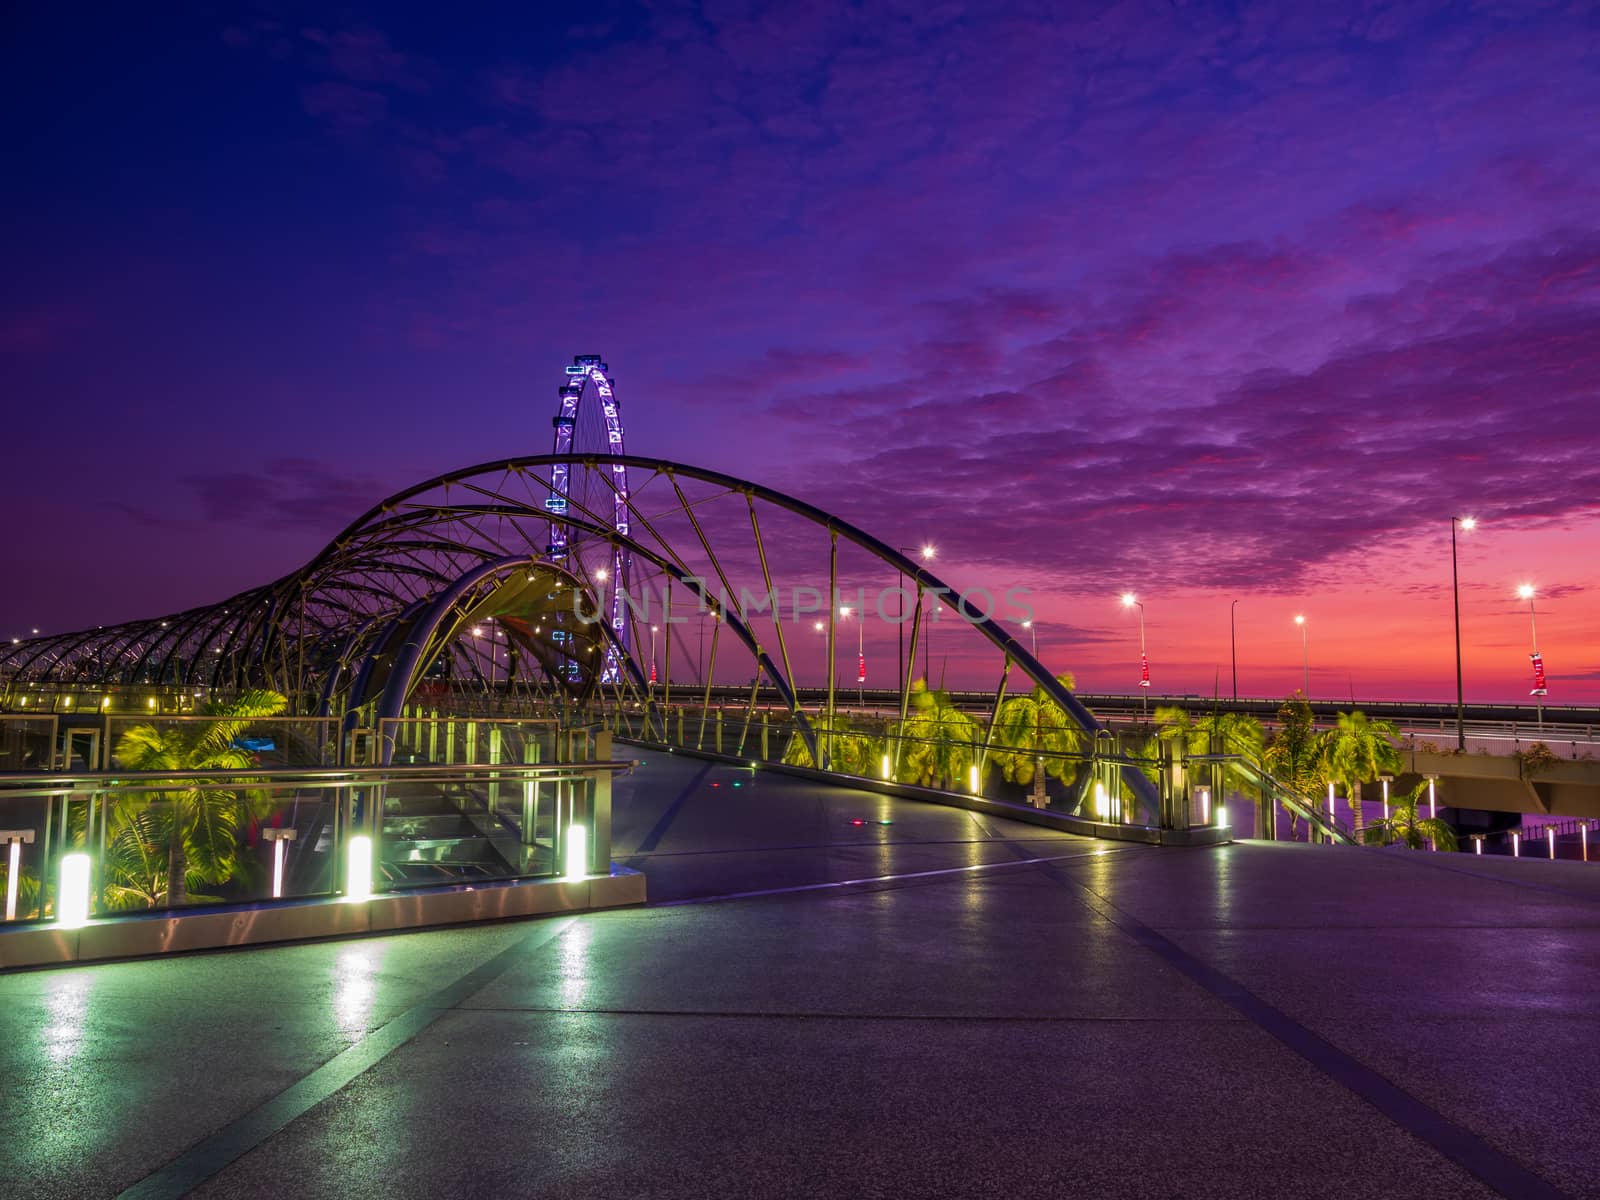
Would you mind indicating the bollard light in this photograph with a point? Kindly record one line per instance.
(1477, 845)
(358, 869)
(1516, 845)
(278, 837)
(72, 904)
(577, 852)
(1205, 806)
(1222, 816)
(14, 839)
(1550, 835)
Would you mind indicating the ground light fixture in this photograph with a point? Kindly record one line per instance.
(358, 869)
(72, 903)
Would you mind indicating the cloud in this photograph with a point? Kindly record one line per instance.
(345, 108)
(293, 492)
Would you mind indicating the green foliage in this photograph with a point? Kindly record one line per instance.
(1031, 731)
(1293, 756)
(937, 743)
(163, 844)
(853, 752)
(1407, 828)
(1355, 751)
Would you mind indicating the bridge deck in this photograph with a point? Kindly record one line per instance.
(1115, 1021)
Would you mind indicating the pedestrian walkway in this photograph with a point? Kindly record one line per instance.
(834, 993)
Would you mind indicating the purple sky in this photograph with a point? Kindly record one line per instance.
(1208, 301)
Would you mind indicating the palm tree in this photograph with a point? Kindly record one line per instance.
(1358, 750)
(1404, 826)
(851, 751)
(1292, 757)
(938, 739)
(1213, 733)
(1034, 737)
(197, 825)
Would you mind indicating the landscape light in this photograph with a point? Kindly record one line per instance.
(72, 907)
(358, 869)
(577, 852)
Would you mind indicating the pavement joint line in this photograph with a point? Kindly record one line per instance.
(225, 1146)
(906, 875)
(1455, 1143)
(658, 831)
(1426, 862)
(822, 1015)
(658, 854)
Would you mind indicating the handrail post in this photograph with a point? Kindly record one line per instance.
(600, 809)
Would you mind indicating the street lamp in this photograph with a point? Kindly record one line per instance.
(1468, 524)
(1526, 591)
(1033, 637)
(902, 668)
(1305, 652)
(1129, 600)
(654, 629)
(861, 655)
(1233, 648)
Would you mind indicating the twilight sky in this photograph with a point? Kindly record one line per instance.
(1203, 300)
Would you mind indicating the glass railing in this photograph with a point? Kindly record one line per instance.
(104, 843)
(943, 750)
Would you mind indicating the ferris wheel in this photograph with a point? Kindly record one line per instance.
(589, 418)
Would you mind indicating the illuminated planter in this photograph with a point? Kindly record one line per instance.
(72, 901)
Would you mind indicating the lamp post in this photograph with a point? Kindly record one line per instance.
(845, 613)
(653, 631)
(1233, 648)
(903, 668)
(1033, 637)
(1305, 653)
(1468, 524)
(1129, 600)
(1526, 592)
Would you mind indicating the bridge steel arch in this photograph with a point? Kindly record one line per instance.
(323, 633)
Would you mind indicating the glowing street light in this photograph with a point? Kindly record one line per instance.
(1033, 637)
(861, 654)
(1129, 600)
(654, 629)
(928, 553)
(1467, 524)
(1526, 591)
(1305, 652)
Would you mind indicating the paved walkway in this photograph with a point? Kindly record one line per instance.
(822, 1004)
